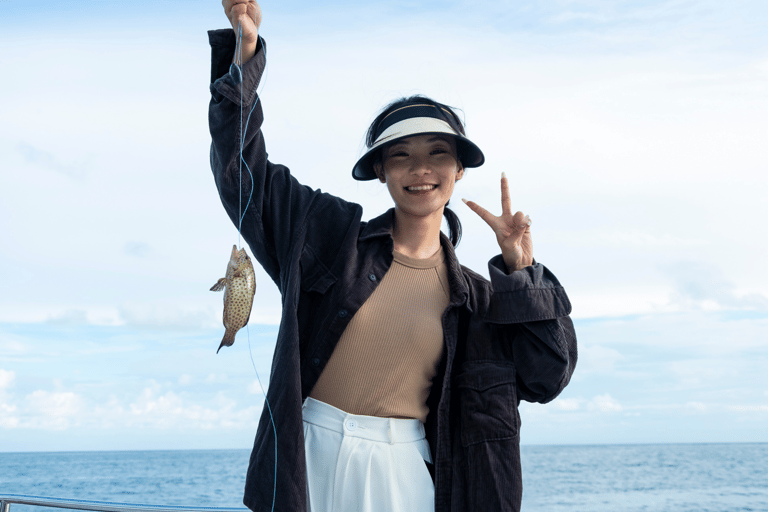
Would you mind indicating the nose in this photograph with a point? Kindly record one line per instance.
(420, 167)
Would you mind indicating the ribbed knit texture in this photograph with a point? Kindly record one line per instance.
(385, 360)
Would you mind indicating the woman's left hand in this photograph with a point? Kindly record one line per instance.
(513, 231)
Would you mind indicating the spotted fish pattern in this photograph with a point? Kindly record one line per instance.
(239, 286)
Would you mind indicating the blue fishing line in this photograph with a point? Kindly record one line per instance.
(242, 136)
(238, 77)
(274, 428)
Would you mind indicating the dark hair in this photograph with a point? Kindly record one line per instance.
(450, 117)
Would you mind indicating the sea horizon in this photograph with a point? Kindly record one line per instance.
(553, 445)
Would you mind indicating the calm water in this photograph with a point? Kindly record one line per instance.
(627, 478)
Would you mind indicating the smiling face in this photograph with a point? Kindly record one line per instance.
(420, 172)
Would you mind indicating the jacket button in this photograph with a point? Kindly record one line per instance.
(372, 277)
(316, 362)
(343, 313)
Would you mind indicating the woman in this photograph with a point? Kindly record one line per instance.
(397, 372)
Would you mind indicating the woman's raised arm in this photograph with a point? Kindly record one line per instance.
(264, 201)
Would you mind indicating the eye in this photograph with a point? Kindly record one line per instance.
(440, 151)
(398, 152)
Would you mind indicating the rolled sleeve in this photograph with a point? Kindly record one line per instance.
(527, 295)
(223, 44)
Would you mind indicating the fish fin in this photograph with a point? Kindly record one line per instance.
(220, 285)
(228, 340)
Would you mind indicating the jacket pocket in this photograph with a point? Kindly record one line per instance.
(488, 402)
(315, 276)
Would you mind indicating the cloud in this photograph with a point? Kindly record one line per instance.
(167, 315)
(696, 407)
(568, 404)
(213, 377)
(136, 249)
(604, 403)
(69, 317)
(596, 358)
(7, 409)
(701, 286)
(45, 159)
(169, 410)
(694, 372)
(6, 378)
(255, 388)
(748, 408)
(56, 410)
(11, 346)
(632, 237)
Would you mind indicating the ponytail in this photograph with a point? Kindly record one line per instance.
(454, 225)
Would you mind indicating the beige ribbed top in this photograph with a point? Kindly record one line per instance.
(385, 360)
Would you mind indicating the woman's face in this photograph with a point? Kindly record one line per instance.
(420, 172)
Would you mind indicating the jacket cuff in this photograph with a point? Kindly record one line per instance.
(527, 295)
(223, 44)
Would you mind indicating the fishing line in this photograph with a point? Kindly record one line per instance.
(237, 75)
(274, 428)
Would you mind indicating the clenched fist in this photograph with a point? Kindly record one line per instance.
(245, 17)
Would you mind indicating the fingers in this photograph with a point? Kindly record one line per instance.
(238, 8)
(484, 214)
(519, 219)
(506, 201)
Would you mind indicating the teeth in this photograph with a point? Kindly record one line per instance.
(422, 187)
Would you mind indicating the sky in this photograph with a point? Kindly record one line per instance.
(633, 133)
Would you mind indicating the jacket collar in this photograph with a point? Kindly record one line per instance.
(379, 226)
(382, 226)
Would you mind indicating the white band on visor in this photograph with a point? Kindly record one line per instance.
(413, 126)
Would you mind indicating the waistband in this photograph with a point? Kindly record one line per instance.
(373, 428)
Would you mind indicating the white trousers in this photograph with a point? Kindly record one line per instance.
(365, 463)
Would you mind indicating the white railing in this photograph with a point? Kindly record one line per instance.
(6, 500)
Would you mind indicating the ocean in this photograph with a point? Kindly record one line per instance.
(625, 478)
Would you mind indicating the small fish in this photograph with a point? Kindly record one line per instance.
(240, 284)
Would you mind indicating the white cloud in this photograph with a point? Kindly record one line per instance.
(70, 316)
(6, 378)
(255, 388)
(696, 406)
(568, 404)
(702, 286)
(136, 249)
(695, 371)
(169, 410)
(213, 377)
(167, 314)
(10, 346)
(604, 403)
(596, 358)
(52, 410)
(748, 408)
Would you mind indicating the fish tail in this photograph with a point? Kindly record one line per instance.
(229, 339)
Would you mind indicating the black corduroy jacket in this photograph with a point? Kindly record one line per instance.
(506, 340)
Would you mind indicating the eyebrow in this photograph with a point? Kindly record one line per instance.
(436, 138)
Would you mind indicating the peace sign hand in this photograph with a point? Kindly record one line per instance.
(513, 231)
